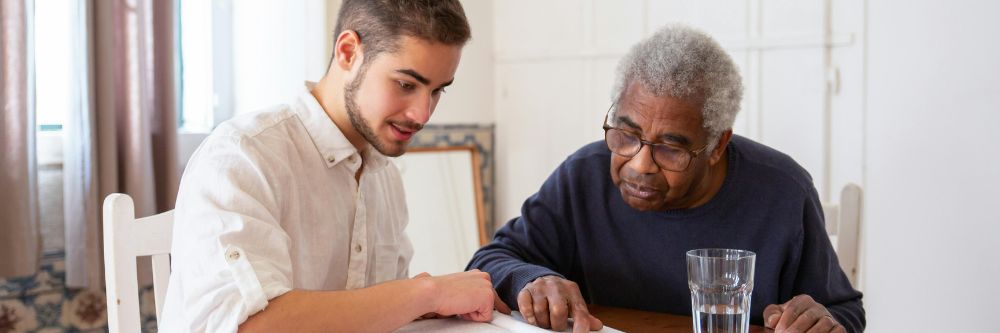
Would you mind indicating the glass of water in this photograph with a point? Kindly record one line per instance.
(721, 281)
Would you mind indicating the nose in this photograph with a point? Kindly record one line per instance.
(643, 162)
(421, 109)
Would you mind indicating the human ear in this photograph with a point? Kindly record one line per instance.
(720, 146)
(347, 51)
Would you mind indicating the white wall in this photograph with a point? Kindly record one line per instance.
(470, 99)
(933, 173)
(276, 47)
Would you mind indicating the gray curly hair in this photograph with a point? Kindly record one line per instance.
(683, 62)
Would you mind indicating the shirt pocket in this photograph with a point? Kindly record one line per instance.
(386, 262)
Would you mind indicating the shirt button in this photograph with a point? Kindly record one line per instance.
(331, 159)
(357, 248)
(232, 255)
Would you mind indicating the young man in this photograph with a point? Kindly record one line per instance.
(612, 224)
(292, 219)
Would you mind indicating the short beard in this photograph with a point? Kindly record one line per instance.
(360, 124)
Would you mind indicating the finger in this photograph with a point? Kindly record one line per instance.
(499, 304)
(787, 318)
(477, 272)
(526, 306)
(839, 328)
(581, 324)
(790, 312)
(558, 313)
(596, 324)
(824, 325)
(583, 321)
(771, 314)
(806, 320)
(489, 301)
(483, 315)
(541, 305)
(478, 316)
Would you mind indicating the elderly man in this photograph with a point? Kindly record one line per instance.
(679, 180)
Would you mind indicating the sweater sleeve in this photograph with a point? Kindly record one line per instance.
(538, 243)
(820, 275)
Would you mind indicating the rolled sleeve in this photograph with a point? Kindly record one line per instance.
(230, 255)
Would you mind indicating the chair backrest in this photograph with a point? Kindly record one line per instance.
(843, 224)
(126, 238)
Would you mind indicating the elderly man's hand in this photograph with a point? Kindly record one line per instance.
(801, 314)
(549, 301)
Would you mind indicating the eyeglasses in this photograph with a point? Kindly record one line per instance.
(666, 156)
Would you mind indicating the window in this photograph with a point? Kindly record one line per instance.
(53, 64)
(198, 98)
(241, 56)
(57, 69)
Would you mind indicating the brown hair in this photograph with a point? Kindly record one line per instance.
(380, 23)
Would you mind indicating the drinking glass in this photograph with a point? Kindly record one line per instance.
(721, 281)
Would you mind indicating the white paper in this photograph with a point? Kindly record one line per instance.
(501, 324)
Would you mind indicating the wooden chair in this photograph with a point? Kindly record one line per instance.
(125, 238)
(843, 224)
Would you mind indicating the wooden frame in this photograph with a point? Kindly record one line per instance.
(476, 178)
(445, 202)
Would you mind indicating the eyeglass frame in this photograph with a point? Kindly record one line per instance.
(693, 153)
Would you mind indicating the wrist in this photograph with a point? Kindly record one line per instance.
(429, 294)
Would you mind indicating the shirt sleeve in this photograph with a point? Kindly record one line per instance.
(533, 245)
(230, 254)
(819, 274)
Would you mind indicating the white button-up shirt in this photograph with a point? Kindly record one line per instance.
(269, 203)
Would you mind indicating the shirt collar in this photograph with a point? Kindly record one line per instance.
(331, 143)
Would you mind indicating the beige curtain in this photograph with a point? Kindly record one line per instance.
(123, 136)
(20, 242)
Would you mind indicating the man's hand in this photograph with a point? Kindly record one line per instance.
(549, 301)
(801, 314)
(469, 295)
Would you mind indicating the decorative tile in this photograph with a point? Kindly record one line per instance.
(48, 308)
(86, 310)
(15, 316)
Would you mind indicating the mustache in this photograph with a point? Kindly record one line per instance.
(642, 185)
(644, 181)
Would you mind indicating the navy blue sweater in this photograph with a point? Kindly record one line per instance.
(577, 226)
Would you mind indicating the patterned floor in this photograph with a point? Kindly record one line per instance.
(42, 303)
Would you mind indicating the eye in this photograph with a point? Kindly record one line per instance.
(669, 152)
(406, 85)
(439, 91)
